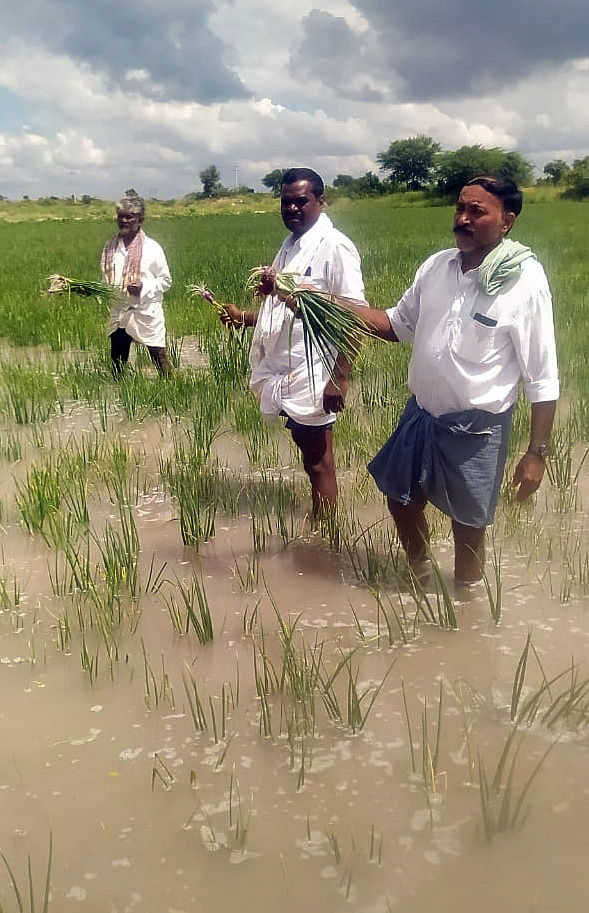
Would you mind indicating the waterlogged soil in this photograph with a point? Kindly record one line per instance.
(266, 808)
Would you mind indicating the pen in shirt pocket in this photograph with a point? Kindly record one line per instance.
(484, 319)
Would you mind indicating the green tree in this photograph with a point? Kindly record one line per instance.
(556, 171)
(344, 181)
(211, 181)
(456, 168)
(517, 168)
(578, 179)
(369, 185)
(273, 180)
(410, 161)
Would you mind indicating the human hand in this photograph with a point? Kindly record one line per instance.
(528, 474)
(231, 315)
(334, 395)
(291, 298)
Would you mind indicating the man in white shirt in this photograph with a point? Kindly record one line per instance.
(280, 377)
(480, 321)
(136, 264)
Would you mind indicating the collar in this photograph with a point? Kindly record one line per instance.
(456, 260)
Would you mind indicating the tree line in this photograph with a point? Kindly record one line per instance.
(420, 163)
(415, 163)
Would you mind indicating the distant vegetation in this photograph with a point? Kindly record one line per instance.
(414, 171)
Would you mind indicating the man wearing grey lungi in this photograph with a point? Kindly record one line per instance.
(479, 318)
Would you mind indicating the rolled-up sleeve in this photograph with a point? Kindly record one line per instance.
(403, 317)
(534, 341)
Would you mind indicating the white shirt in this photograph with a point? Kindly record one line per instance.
(142, 317)
(470, 349)
(326, 259)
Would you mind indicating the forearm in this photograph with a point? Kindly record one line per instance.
(249, 318)
(341, 368)
(542, 421)
(343, 364)
(530, 469)
(234, 316)
(376, 320)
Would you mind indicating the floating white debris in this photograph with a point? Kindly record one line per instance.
(129, 754)
(91, 737)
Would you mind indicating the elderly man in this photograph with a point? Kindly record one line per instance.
(136, 264)
(325, 258)
(480, 321)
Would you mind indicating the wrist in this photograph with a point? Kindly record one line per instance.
(540, 450)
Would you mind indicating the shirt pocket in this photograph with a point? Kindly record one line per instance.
(476, 339)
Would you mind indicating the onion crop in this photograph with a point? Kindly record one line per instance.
(328, 327)
(198, 290)
(58, 285)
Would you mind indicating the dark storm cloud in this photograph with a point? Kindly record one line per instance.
(330, 52)
(456, 48)
(427, 50)
(172, 41)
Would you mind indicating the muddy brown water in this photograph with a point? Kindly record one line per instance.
(361, 832)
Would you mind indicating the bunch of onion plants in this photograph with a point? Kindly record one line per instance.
(59, 285)
(198, 290)
(328, 328)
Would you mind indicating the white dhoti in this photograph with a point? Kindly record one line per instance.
(280, 376)
(142, 316)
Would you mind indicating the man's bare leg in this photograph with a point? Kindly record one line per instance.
(159, 356)
(412, 528)
(469, 552)
(316, 446)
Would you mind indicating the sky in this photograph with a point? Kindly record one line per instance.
(96, 97)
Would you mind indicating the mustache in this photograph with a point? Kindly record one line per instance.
(461, 230)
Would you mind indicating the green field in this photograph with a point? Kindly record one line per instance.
(269, 693)
(219, 251)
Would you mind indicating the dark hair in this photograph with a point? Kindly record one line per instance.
(503, 188)
(292, 175)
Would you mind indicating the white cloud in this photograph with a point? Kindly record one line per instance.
(74, 151)
(115, 132)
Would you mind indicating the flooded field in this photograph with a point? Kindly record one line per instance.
(328, 746)
(209, 703)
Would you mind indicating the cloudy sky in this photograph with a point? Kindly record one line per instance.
(98, 96)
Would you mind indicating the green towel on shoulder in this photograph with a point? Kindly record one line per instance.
(502, 264)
